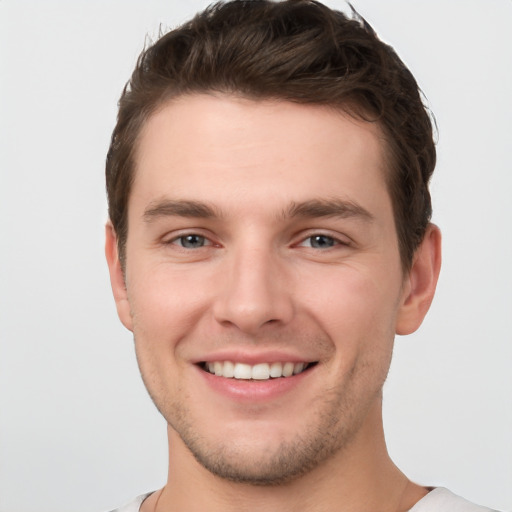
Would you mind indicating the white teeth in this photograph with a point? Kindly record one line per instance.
(288, 369)
(276, 370)
(260, 371)
(298, 368)
(242, 371)
(228, 370)
(217, 368)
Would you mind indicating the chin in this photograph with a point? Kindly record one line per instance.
(266, 458)
(287, 462)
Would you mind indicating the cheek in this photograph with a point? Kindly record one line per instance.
(354, 306)
(166, 301)
(358, 318)
(163, 308)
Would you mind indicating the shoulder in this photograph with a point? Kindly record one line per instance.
(133, 506)
(443, 500)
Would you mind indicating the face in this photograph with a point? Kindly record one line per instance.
(263, 280)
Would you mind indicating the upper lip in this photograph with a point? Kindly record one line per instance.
(252, 358)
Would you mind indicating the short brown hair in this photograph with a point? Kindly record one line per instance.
(295, 50)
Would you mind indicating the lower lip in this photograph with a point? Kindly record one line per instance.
(253, 390)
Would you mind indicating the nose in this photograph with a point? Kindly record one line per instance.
(254, 291)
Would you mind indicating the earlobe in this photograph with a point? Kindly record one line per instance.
(117, 280)
(420, 284)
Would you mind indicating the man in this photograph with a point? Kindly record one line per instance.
(269, 235)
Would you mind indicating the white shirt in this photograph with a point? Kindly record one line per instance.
(437, 500)
(443, 500)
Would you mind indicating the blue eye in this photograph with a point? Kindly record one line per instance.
(191, 241)
(321, 241)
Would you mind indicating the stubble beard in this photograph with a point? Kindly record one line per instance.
(336, 418)
(339, 418)
(290, 460)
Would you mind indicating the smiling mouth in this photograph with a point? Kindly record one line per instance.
(260, 371)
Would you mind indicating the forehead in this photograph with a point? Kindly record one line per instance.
(229, 147)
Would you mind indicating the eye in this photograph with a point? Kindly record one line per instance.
(320, 241)
(191, 241)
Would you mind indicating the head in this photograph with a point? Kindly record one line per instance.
(298, 51)
(269, 210)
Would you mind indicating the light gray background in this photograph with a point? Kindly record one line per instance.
(77, 429)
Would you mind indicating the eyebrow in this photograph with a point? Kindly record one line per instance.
(327, 208)
(306, 209)
(179, 208)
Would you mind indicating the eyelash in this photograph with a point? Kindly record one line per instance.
(332, 240)
(205, 242)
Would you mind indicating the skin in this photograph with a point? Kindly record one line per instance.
(266, 278)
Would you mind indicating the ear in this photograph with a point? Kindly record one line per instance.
(117, 277)
(420, 284)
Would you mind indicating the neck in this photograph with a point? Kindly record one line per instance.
(359, 478)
